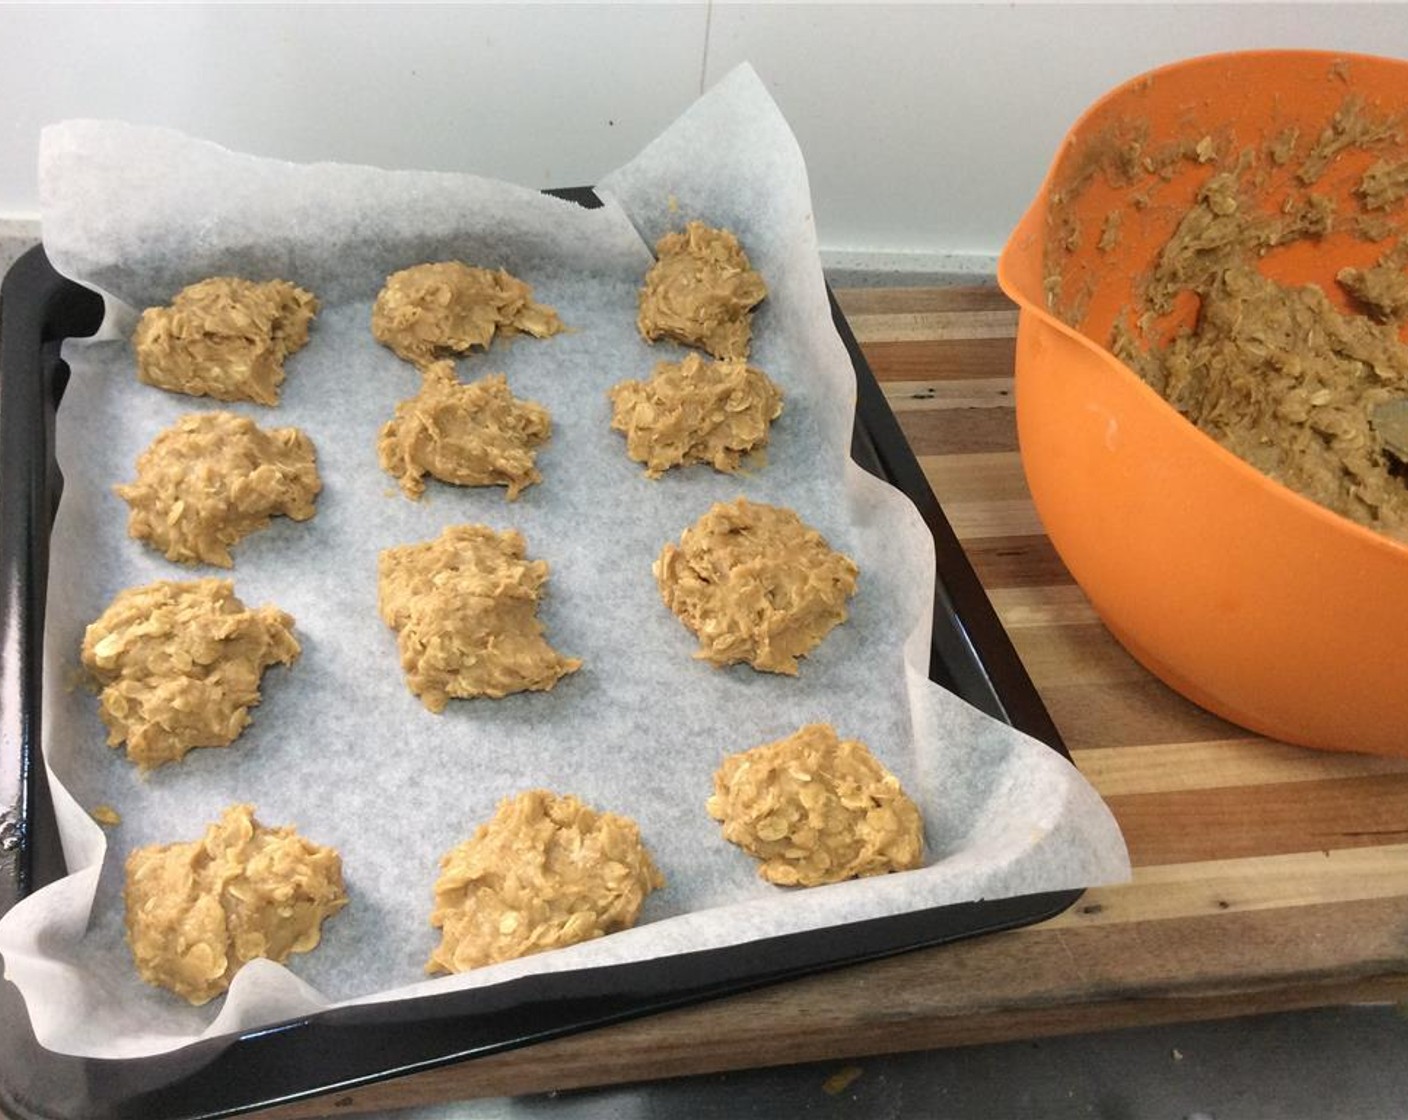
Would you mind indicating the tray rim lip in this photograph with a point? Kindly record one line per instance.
(1031, 716)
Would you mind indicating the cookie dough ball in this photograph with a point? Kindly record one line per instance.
(211, 479)
(695, 411)
(225, 338)
(545, 872)
(701, 291)
(755, 584)
(198, 912)
(434, 311)
(465, 611)
(478, 434)
(180, 666)
(812, 808)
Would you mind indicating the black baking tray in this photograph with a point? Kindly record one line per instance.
(339, 1049)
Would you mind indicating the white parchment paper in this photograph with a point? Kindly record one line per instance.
(339, 746)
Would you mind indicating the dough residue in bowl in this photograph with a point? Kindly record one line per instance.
(1283, 375)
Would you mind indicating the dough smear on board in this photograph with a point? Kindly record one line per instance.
(695, 411)
(434, 311)
(755, 584)
(813, 808)
(197, 912)
(225, 338)
(180, 666)
(478, 434)
(465, 611)
(544, 872)
(211, 479)
(701, 291)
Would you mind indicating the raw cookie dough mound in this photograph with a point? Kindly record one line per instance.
(465, 611)
(225, 338)
(478, 434)
(545, 872)
(701, 291)
(180, 666)
(197, 912)
(213, 478)
(434, 311)
(814, 809)
(755, 584)
(695, 411)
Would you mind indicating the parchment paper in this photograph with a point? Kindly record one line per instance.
(339, 746)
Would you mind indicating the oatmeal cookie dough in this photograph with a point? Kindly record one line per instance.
(813, 808)
(478, 434)
(545, 872)
(197, 912)
(1385, 184)
(1381, 289)
(1288, 377)
(434, 311)
(211, 479)
(695, 411)
(1276, 373)
(225, 338)
(701, 291)
(755, 584)
(179, 665)
(465, 611)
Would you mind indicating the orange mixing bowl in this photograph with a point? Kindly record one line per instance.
(1249, 599)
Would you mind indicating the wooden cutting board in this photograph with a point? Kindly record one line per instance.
(1267, 877)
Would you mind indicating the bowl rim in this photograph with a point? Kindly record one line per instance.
(1275, 491)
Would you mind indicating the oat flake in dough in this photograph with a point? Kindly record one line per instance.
(478, 434)
(813, 808)
(695, 411)
(180, 666)
(701, 291)
(198, 912)
(434, 311)
(213, 478)
(465, 611)
(755, 584)
(225, 338)
(544, 872)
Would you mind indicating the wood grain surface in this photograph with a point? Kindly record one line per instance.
(1267, 877)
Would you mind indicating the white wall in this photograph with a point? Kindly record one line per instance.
(926, 128)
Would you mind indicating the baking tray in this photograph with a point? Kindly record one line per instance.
(345, 1047)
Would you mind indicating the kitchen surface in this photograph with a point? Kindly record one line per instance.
(1256, 963)
(1332, 1064)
